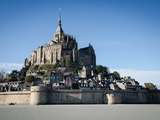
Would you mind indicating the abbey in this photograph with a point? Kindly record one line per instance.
(62, 49)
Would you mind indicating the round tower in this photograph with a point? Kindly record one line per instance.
(114, 98)
(38, 95)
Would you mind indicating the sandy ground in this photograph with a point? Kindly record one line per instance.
(80, 112)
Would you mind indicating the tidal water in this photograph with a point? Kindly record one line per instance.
(80, 112)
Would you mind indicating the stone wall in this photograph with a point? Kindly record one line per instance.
(131, 97)
(76, 97)
(41, 95)
(15, 97)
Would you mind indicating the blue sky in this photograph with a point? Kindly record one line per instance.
(124, 33)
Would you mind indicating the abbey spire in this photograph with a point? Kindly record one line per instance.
(59, 31)
(59, 26)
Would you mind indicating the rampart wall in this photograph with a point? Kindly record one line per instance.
(133, 97)
(42, 95)
(22, 97)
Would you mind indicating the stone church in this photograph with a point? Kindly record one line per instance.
(63, 49)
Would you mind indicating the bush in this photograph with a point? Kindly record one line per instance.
(116, 75)
(101, 69)
(29, 79)
(49, 67)
(34, 68)
(150, 86)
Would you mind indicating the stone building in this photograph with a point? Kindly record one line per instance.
(87, 56)
(62, 49)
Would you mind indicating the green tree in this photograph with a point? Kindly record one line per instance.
(13, 76)
(30, 78)
(101, 69)
(23, 72)
(49, 67)
(116, 75)
(150, 86)
(33, 68)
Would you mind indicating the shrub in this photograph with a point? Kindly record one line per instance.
(30, 78)
(150, 86)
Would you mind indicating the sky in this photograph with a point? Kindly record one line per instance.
(124, 33)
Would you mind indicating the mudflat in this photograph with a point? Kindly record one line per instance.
(80, 112)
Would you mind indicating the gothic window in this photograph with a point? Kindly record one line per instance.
(51, 57)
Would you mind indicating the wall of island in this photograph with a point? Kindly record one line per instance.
(20, 97)
(133, 97)
(42, 95)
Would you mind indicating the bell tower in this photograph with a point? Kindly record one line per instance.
(59, 31)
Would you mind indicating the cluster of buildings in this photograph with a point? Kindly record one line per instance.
(74, 68)
(11, 86)
(61, 64)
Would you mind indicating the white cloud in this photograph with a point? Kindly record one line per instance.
(8, 67)
(141, 75)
